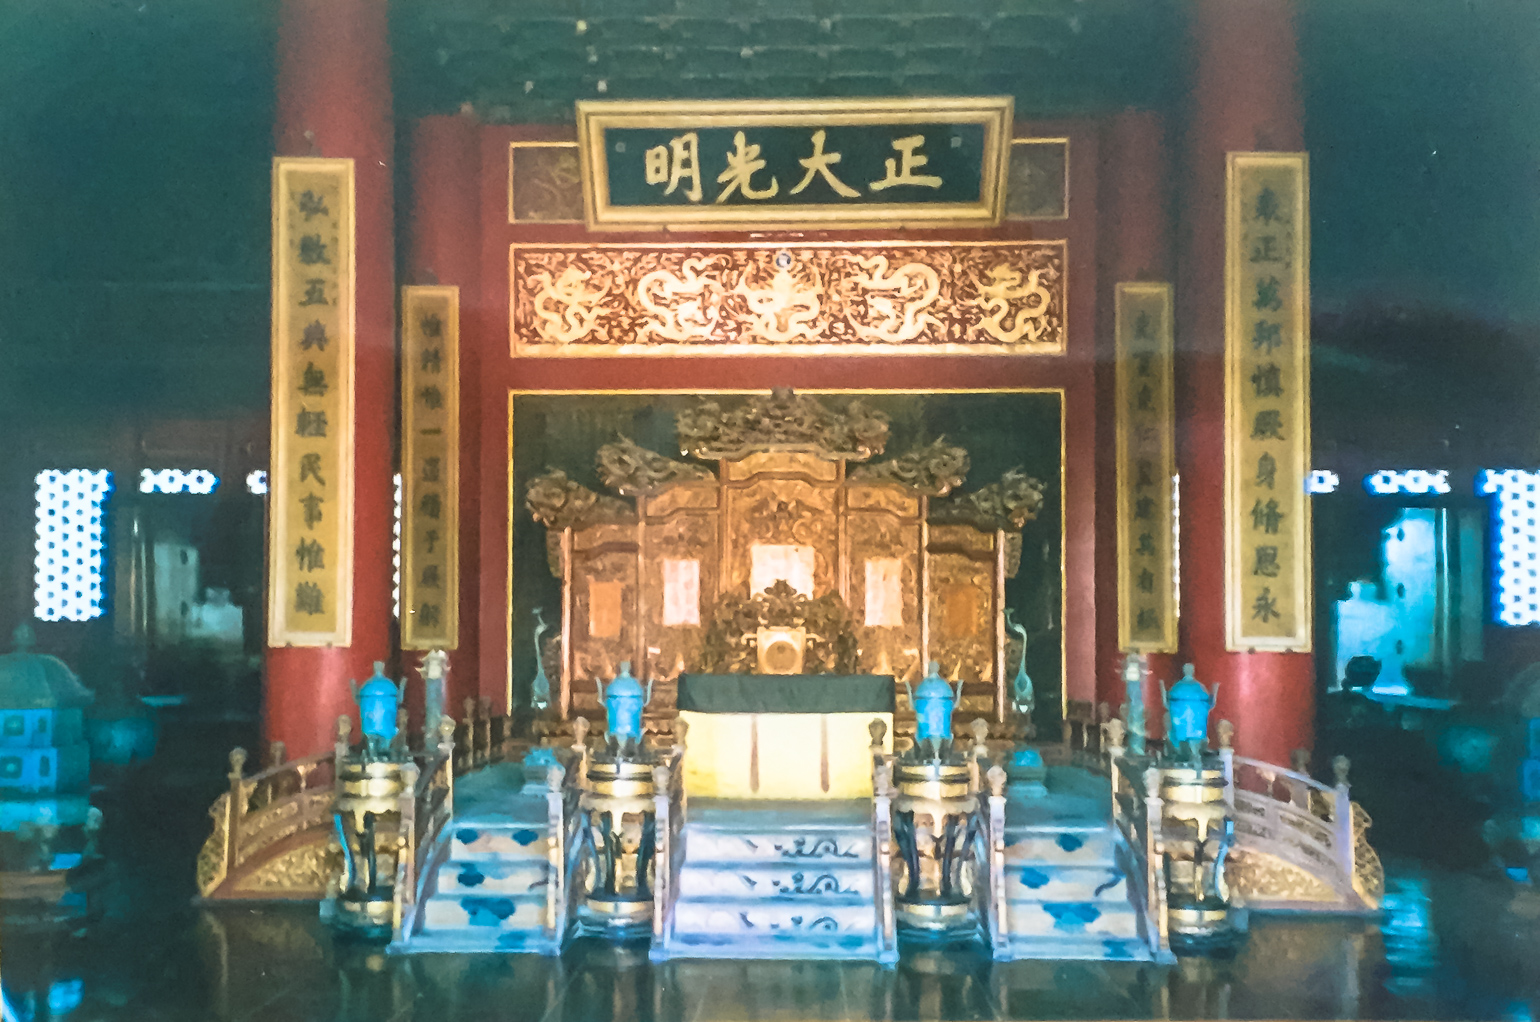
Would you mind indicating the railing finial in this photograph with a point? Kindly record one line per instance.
(237, 763)
(878, 729)
(1339, 769)
(1226, 732)
(997, 779)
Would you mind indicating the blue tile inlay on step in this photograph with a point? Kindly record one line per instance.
(1069, 842)
(466, 835)
(470, 876)
(487, 911)
(1117, 949)
(1034, 878)
(524, 837)
(1072, 915)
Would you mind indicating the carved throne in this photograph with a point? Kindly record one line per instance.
(795, 556)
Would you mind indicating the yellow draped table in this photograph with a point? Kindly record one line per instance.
(765, 736)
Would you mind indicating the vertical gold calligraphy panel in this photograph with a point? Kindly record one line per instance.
(430, 476)
(1146, 460)
(310, 540)
(1267, 403)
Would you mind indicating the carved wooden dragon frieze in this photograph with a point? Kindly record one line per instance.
(630, 469)
(782, 420)
(558, 502)
(934, 470)
(1010, 503)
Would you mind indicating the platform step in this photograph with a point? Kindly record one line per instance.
(778, 879)
(1071, 918)
(824, 916)
(472, 841)
(1061, 846)
(1041, 882)
(501, 912)
(1090, 948)
(493, 876)
(802, 846)
(780, 945)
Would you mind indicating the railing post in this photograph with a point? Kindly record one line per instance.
(1299, 794)
(999, 943)
(446, 752)
(404, 896)
(484, 720)
(882, 860)
(236, 810)
(662, 859)
(1227, 759)
(1154, 853)
(1342, 823)
(1113, 733)
(556, 856)
(580, 745)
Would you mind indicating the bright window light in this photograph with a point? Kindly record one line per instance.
(1516, 571)
(1388, 480)
(68, 582)
(256, 481)
(395, 546)
(175, 480)
(1321, 481)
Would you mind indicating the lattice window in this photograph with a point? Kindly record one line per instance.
(175, 480)
(1322, 481)
(1388, 480)
(68, 582)
(1516, 542)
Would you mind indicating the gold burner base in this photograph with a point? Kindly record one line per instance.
(931, 917)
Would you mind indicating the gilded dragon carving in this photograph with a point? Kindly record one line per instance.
(934, 470)
(782, 420)
(728, 647)
(1010, 503)
(631, 469)
(584, 299)
(558, 502)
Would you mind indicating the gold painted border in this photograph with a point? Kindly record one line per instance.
(995, 113)
(518, 349)
(1062, 393)
(1169, 604)
(1067, 158)
(278, 632)
(413, 300)
(535, 145)
(1235, 612)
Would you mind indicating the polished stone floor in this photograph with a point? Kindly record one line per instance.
(1460, 945)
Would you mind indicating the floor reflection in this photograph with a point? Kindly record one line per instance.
(1450, 945)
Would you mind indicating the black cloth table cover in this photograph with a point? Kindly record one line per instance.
(786, 693)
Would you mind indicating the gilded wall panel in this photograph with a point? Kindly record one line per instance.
(885, 649)
(781, 512)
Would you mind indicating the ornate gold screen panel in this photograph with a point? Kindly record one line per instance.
(994, 297)
(310, 538)
(878, 565)
(430, 467)
(1146, 458)
(1267, 402)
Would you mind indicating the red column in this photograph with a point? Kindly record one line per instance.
(446, 249)
(1245, 96)
(1136, 243)
(334, 100)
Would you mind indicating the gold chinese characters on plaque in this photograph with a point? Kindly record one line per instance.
(741, 164)
(1146, 460)
(803, 299)
(430, 478)
(310, 487)
(1267, 403)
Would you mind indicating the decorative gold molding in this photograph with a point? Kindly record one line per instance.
(1267, 403)
(991, 297)
(1260, 878)
(993, 114)
(1146, 465)
(310, 481)
(430, 467)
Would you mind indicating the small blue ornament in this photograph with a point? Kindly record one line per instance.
(623, 704)
(378, 700)
(1188, 705)
(933, 703)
